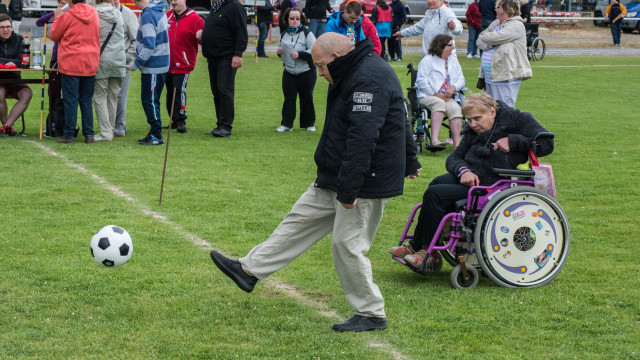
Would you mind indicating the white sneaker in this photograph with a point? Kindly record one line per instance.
(469, 56)
(476, 56)
(311, 128)
(99, 137)
(283, 128)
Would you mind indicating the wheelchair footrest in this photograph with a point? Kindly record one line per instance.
(435, 148)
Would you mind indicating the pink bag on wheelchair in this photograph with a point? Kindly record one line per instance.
(543, 178)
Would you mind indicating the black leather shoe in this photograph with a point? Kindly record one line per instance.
(221, 132)
(233, 270)
(181, 126)
(361, 323)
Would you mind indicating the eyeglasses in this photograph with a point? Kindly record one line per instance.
(6, 27)
(294, 18)
(450, 44)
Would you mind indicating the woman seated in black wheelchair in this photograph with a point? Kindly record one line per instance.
(439, 82)
(498, 136)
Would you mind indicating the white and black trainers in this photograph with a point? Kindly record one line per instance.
(283, 128)
(150, 140)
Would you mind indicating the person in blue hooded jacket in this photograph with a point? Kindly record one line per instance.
(152, 58)
(347, 22)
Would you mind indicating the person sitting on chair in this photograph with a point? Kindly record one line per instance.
(439, 82)
(498, 136)
(10, 51)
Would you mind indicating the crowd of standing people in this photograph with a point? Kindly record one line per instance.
(164, 48)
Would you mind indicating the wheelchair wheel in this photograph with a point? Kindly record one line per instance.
(538, 49)
(419, 138)
(458, 280)
(522, 238)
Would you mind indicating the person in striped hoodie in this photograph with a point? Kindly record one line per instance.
(152, 58)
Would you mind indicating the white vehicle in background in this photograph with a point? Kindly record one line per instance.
(31, 8)
(601, 6)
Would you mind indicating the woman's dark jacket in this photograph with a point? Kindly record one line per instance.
(317, 9)
(366, 148)
(476, 150)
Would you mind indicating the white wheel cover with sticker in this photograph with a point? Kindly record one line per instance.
(523, 242)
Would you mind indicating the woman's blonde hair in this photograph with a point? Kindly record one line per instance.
(482, 102)
(510, 7)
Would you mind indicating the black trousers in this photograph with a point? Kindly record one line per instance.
(222, 78)
(384, 40)
(439, 200)
(179, 82)
(301, 85)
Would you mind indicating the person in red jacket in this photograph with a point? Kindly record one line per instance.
(474, 24)
(370, 31)
(185, 27)
(77, 32)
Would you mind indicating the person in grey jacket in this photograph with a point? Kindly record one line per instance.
(299, 75)
(111, 69)
(130, 30)
(504, 63)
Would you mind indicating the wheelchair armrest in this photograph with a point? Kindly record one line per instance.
(460, 203)
(513, 173)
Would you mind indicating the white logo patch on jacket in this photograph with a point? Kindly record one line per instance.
(362, 97)
(366, 108)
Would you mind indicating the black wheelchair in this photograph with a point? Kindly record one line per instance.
(419, 115)
(535, 45)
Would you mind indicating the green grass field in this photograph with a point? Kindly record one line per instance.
(170, 302)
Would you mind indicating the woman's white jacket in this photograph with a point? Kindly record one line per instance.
(431, 75)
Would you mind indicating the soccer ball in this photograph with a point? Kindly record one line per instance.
(111, 246)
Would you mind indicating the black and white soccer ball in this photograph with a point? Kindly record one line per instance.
(111, 246)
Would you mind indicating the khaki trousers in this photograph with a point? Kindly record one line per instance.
(105, 101)
(316, 214)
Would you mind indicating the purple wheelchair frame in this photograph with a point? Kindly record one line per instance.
(475, 204)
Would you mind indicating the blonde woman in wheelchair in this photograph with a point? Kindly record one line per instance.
(438, 84)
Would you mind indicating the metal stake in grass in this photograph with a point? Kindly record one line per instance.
(166, 152)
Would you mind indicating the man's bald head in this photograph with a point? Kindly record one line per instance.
(328, 47)
(329, 43)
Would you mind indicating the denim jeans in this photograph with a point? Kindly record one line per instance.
(616, 27)
(472, 48)
(150, 92)
(263, 29)
(77, 90)
(317, 27)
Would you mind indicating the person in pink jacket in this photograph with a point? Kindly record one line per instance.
(77, 32)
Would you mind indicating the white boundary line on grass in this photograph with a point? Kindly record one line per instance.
(282, 287)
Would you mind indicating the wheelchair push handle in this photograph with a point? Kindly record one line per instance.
(410, 67)
(534, 146)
